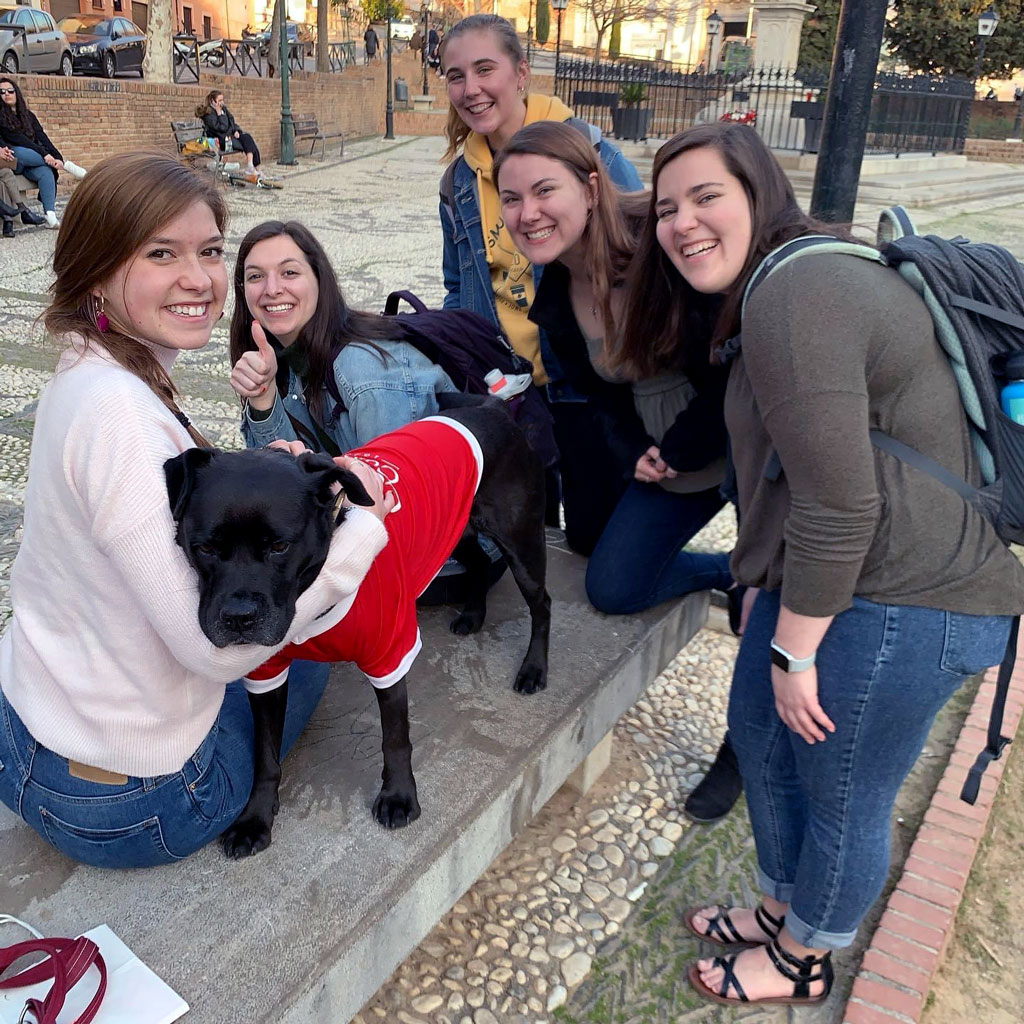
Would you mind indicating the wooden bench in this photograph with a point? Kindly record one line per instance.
(191, 131)
(307, 127)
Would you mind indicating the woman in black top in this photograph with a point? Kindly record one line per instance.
(38, 158)
(221, 125)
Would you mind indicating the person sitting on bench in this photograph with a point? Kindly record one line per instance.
(220, 124)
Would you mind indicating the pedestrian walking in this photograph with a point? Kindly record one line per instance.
(370, 43)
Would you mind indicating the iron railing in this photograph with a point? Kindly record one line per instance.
(640, 99)
(249, 57)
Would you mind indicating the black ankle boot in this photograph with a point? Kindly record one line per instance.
(35, 219)
(7, 212)
(716, 793)
(8, 228)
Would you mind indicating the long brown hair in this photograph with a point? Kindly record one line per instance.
(456, 130)
(663, 313)
(333, 324)
(123, 202)
(206, 107)
(610, 236)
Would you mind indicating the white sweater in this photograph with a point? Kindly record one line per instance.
(104, 660)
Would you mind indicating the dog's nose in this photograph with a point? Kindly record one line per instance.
(239, 613)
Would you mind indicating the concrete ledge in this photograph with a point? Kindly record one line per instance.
(307, 931)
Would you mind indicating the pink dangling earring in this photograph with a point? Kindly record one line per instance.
(102, 321)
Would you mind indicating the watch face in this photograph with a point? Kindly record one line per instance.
(780, 659)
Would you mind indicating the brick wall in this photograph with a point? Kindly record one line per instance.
(994, 151)
(91, 118)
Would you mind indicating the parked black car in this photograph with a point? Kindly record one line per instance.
(104, 45)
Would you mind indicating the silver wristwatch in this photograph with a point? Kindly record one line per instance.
(787, 662)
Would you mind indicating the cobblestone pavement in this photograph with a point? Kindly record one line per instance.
(579, 919)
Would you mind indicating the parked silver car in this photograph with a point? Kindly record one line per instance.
(42, 47)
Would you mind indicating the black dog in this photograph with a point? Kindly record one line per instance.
(256, 526)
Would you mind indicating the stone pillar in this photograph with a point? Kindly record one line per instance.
(778, 31)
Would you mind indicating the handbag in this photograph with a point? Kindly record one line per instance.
(67, 962)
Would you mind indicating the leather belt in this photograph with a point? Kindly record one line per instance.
(98, 775)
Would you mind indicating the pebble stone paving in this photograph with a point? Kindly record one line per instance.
(579, 919)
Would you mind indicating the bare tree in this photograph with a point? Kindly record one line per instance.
(274, 43)
(606, 13)
(158, 65)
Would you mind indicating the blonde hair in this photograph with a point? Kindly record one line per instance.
(456, 130)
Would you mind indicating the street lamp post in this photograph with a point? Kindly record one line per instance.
(389, 109)
(714, 25)
(287, 124)
(529, 29)
(426, 44)
(560, 6)
(986, 26)
(1018, 119)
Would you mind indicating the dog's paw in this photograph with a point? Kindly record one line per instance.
(396, 809)
(246, 837)
(468, 622)
(531, 679)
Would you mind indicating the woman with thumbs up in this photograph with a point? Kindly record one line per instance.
(308, 367)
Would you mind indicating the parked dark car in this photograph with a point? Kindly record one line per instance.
(298, 32)
(104, 45)
(48, 49)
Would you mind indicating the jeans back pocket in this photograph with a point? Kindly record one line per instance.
(974, 642)
(140, 845)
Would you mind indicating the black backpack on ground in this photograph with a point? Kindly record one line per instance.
(975, 295)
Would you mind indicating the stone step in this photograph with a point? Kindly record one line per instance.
(307, 931)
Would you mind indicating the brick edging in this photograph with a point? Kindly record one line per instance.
(910, 940)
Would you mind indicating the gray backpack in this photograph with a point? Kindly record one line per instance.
(975, 294)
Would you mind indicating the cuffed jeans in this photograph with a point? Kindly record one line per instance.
(639, 560)
(147, 821)
(821, 813)
(36, 169)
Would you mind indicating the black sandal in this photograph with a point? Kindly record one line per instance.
(722, 932)
(801, 971)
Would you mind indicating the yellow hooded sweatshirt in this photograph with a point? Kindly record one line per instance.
(511, 271)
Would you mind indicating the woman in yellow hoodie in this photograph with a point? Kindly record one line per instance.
(487, 75)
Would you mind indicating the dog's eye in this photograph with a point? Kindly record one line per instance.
(205, 549)
(280, 547)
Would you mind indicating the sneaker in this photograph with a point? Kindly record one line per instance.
(51, 220)
(74, 170)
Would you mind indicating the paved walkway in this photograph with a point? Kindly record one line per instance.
(579, 919)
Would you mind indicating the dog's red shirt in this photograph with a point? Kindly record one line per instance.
(433, 468)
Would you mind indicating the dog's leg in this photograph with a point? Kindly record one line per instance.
(527, 560)
(396, 805)
(476, 563)
(251, 831)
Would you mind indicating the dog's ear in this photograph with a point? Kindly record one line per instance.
(180, 474)
(327, 472)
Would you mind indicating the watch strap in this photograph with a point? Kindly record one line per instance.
(789, 662)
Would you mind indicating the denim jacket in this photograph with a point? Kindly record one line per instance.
(378, 395)
(467, 276)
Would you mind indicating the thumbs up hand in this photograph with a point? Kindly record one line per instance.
(253, 375)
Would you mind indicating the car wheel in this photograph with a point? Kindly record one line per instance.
(67, 65)
(109, 65)
(10, 63)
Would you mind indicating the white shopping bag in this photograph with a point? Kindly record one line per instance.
(135, 995)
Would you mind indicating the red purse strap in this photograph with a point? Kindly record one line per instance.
(68, 960)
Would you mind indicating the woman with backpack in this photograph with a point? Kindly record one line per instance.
(308, 367)
(881, 589)
(486, 72)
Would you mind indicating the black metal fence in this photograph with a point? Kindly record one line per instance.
(249, 57)
(635, 100)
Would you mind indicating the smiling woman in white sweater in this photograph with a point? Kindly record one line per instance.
(124, 740)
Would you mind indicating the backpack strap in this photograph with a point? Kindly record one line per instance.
(996, 742)
(894, 223)
(391, 305)
(797, 247)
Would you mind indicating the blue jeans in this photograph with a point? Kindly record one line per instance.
(36, 169)
(821, 813)
(155, 820)
(639, 561)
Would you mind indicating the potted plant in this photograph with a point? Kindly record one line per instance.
(631, 121)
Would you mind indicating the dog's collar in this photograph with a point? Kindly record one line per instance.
(339, 506)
